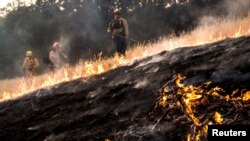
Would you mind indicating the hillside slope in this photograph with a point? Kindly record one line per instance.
(123, 104)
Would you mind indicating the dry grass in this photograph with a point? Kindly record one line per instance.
(220, 29)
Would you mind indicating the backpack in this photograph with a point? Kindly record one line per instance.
(46, 59)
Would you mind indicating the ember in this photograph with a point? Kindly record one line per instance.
(190, 98)
(145, 100)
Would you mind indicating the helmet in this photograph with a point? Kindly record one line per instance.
(117, 11)
(56, 45)
(29, 53)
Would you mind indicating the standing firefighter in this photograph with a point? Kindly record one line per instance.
(30, 64)
(119, 29)
(56, 57)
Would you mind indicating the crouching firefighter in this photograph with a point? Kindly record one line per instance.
(119, 29)
(30, 64)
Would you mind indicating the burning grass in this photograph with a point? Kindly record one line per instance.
(199, 105)
(13, 88)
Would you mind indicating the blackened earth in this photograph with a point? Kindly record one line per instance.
(120, 105)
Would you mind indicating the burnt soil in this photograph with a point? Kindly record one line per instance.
(120, 105)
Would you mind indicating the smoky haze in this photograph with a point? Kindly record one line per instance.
(81, 26)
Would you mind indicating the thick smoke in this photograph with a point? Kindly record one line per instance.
(81, 26)
(223, 11)
(88, 33)
(237, 7)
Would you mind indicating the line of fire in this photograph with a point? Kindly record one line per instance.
(136, 70)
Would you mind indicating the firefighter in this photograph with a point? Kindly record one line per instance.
(119, 29)
(30, 64)
(57, 58)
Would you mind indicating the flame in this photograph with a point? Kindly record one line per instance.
(246, 96)
(215, 91)
(189, 137)
(203, 131)
(188, 97)
(178, 81)
(164, 97)
(217, 117)
(13, 88)
(197, 135)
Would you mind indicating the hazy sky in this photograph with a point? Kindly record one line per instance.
(3, 3)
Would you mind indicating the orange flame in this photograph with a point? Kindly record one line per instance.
(13, 88)
(191, 96)
(246, 96)
(217, 117)
(164, 97)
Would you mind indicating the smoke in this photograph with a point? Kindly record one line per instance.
(236, 8)
(208, 20)
(17, 67)
(81, 26)
(92, 21)
(222, 11)
(87, 32)
(65, 42)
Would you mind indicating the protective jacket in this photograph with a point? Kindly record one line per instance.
(119, 27)
(30, 66)
(57, 58)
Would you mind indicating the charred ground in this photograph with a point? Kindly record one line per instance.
(122, 103)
